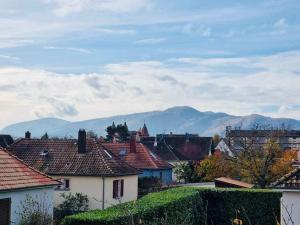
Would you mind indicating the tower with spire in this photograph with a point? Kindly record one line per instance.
(143, 132)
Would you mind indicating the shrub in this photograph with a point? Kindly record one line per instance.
(188, 205)
(148, 185)
(72, 204)
(34, 211)
(180, 206)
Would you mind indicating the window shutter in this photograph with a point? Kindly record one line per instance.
(115, 188)
(67, 183)
(122, 188)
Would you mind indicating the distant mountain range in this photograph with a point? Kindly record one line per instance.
(177, 120)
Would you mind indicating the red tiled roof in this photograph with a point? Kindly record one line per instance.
(143, 158)
(62, 158)
(15, 174)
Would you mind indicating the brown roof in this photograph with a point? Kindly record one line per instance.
(61, 157)
(15, 174)
(228, 182)
(143, 158)
(174, 147)
(289, 181)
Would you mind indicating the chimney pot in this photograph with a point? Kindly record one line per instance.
(81, 141)
(28, 135)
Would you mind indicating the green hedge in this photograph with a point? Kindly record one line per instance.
(175, 206)
(189, 206)
(252, 206)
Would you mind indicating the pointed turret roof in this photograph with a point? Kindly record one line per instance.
(144, 131)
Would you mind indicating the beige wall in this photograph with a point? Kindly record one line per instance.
(93, 186)
(290, 207)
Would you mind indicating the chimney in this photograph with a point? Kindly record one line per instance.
(132, 145)
(81, 141)
(28, 135)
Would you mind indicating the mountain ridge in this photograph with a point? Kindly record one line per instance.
(179, 119)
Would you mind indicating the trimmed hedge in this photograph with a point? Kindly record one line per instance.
(252, 206)
(189, 206)
(175, 206)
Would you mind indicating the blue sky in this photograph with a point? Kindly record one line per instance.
(80, 59)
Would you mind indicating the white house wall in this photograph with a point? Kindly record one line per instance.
(93, 186)
(290, 204)
(43, 195)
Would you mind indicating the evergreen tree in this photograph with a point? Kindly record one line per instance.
(45, 136)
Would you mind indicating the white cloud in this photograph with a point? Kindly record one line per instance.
(148, 85)
(81, 50)
(10, 58)
(151, 41)
(199, 30)
(66, 7)
(281, 23)
(107, 31)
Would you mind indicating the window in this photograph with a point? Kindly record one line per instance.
(5, 205)
(118, 189)
(65, 185)
(160, 176)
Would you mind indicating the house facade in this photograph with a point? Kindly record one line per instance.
(222, 147)
(287, 139)
(289, 184)
(139, 156)
(18, 184)
(83, 166)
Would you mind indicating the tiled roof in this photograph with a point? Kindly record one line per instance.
(61, 157)
(180, 147)
(15, 174)
(5, 140)
(143, 158)
(289, 181)
(225, 181)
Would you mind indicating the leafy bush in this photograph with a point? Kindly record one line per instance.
(180, 206)
(188, 205)
(34, 211)
(148, 185)
(72, 204)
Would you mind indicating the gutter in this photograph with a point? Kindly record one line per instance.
(103, 192)
(27, 188)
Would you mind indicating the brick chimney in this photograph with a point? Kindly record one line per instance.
(28, 135)
(132, 145)
(81, 141)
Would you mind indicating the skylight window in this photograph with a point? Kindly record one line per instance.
(44, 152)
(153, 155)
(107, 153)
(122, 152)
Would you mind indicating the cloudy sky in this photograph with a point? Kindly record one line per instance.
(82, 59)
